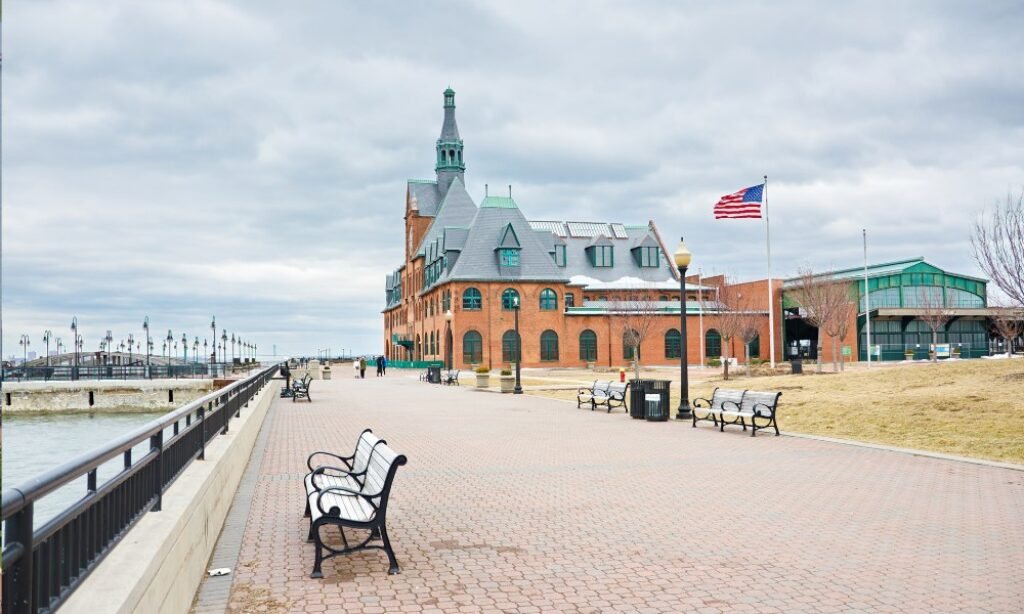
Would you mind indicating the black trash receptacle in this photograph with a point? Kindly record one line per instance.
(434, 375)
(637, 390)
(658, 412)
(798, 366)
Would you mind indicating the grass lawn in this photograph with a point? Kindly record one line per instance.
(969, 408)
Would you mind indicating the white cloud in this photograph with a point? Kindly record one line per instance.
(184, 159)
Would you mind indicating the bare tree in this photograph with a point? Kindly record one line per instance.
(734, 319)
(934, 313)
(1009, 325)
(814, 293)
(635, 315)
(998, 246)
(842, 305)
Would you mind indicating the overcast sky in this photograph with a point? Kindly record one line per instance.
(248, 160)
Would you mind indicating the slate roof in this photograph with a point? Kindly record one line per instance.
(478, 260)
(426, 194)
(457, 209)
(626, 272)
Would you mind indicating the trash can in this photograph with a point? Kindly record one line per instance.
(637, 390)
(652, 408)
(434, 375)
(798, 366)
(327, 373)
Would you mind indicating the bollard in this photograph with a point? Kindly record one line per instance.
(622, 374)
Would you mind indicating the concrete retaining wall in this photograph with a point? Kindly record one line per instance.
(106, 395)
(159, 565)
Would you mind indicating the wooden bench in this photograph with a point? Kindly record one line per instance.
(358, 507)
(339, 470)
(452, 377)
(738, 407)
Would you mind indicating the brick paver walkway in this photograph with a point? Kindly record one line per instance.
(525, 504)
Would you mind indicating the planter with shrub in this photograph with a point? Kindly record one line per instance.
(508, 381)
(483, 377)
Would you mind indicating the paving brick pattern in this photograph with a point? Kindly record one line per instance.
(525, 504)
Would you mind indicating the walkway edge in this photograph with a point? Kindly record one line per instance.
(910, 451)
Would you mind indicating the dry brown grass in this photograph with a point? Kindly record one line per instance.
(969, 408)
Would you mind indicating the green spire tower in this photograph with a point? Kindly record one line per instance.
(450, 163)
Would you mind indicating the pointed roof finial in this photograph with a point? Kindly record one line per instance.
(485, 191)
(510, 190)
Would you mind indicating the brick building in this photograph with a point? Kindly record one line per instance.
(571, 280)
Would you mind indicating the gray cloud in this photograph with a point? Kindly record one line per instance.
(195, 158)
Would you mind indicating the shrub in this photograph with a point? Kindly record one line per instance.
(714, 362)
(482, 370)
(506, 371)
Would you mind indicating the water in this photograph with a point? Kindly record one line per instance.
(33, 444)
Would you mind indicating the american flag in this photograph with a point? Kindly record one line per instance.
(743, 204)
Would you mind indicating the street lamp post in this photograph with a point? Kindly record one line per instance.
(184, 348)
(169, 341)
(195, 349)
(131, 342)
(682, 258)
(74, 342)
(145, 326)
(24, 342)
(519, 347)
(60, 346)
(232, 347)
(213, 327)
(448, 315)
(46, 339)
(224, 344)
(109, 339)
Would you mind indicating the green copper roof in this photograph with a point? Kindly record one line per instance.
(498, 202)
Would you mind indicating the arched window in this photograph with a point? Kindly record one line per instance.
(509, 299)
(673, 342)
(419, 349)
(451, 155)
(548, 300)
(754, 347)
(509, 347)
(588, 346)
(472, 348)
(549, 345)
(629, 338)
(712, 344)
(460, 156)
(430, 344)
(471, 300)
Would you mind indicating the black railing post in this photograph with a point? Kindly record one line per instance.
(18, 582)
(201, 416)
(225, 410)
(156, 444)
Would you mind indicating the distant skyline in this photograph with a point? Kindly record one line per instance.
(190, 159)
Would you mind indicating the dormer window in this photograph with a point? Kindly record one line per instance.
(508, 257)
(560, 258)
(646, 256)
(601, 255)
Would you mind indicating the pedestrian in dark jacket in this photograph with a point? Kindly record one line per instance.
(380, 366)
(362, 368)
(384, 364)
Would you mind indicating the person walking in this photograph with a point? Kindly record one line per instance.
(362, 368)
(384, 365)
(355, 365)
(380, 366)
(287, 374)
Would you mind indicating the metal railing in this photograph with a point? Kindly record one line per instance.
(43, 565)
(108, 372)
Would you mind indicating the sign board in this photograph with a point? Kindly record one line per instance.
(847, 350)
(876, 350)
(942, 350)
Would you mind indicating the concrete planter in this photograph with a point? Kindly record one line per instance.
(508, 383)
(591, 364)
(483, 380)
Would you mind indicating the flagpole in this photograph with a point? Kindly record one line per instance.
(771, 306)
(700, 296)
(867, 299)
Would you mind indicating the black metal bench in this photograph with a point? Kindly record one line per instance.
(300, 389)
(340, 470)
(452, 377)
(727, 407)
(363, 507)
(608, 394)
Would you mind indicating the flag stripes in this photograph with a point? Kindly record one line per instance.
(744, 204)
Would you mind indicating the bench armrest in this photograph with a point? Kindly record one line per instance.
(345, 459)
(336, 471)
(735, 406)
(770, 408)
(696, 403)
